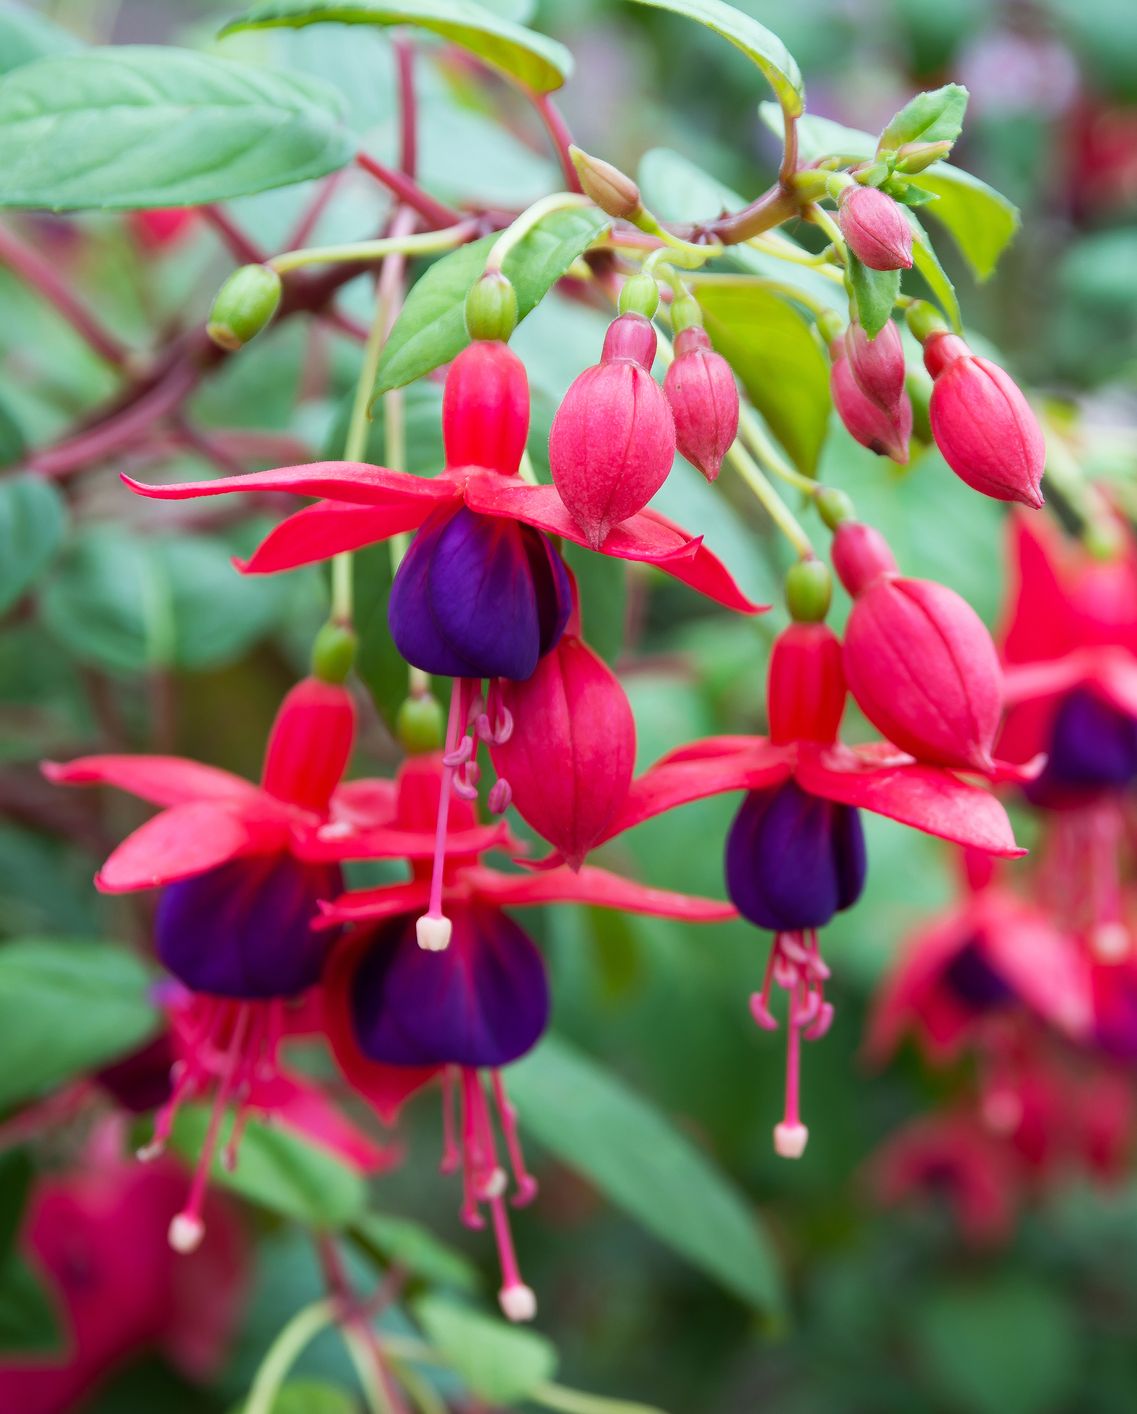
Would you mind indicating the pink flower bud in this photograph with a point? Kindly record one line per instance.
(983, 424)
(613, 438)
(860, 555)
(310, 744)
(703, 395)
(875, 228)
(806, 688)
(877, 364)
(485, 408)
(570, 758)
(881, 431)
(924, 671)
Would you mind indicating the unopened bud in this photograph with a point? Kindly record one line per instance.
(612, 190)
(876, 228)
(913, 157)
(703, 396)
(834, 506)
(491, 308)
(420, 724)
(877, 364)
(885, 432)
(639, 295)
(685, 313)
(244, 305)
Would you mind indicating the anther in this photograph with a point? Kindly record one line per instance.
(790, 1140)
(433, 932)
(518, 1303)
(501, 793)
(185, 1233)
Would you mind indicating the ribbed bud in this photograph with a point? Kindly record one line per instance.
(613, 438)
(310, 744)
(703, 396)
(485, 409)
(885, 433)
(983, 424)
(875, 228)
(860, 555)
(806, 686)
(491, 307)
(244, 305)
(877, 364)
(612, 190)
(570, 757)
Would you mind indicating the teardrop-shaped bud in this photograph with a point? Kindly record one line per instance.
(613, 438)
(570, 757)
(703, 395)
(875, 228)
(923, 669)
(881, 431)
(860, 553)
(877, 364)
(244, 305)
(485, 409)
(310, 744)
(806, 685)
(983, 424)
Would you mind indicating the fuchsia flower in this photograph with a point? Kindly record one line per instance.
(983, 424)
(877, 365)
(242, 869)
(795, 855)
(399, 1016)
(95, 1233)
(919, 660)
(883, 430)
(613, 439)
(875, 227)
(703, 396)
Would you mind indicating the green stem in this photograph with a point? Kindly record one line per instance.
(425, 243)
(575, 1401)
(512, 235)
(820, 217)
(780, 248)
(754, 435)
(367, 1371)
(1066, 477)
(284, 1352)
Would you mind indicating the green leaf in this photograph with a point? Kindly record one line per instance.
(927, 262)
(933, 116)
(309, 1397)
(16, 1173)
(502, 1364)
(431, 330)
(602, 584)
(874, 293)
(29, 1323)
(770, 345)
(144, 125)
(756, 42)
(32, 518)
(26, 36)
(1001, 1346)
(416, 1249)
(132, 604)
(65, 1008)
(532, 59)
(594, 1125)
(980, 220)
(276, 1169)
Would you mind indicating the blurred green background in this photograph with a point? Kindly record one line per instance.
(152, 643)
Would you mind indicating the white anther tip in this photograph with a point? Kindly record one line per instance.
(518, 1302)
(186, 1233)
(494, 1184)
(149, 1152)
(1109, 942)
(433, 933)
(790, 1140)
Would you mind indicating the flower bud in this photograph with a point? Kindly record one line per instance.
(420, 724)
(244, 305)
(570, 757)
(924, 671)
(875, 228)
(877, 365)
(613, 438)
(310, 744)
(860, 555)
(806, 687)
(914, 157)
(485, 408)
(983, 424)
(639, 295)
(881, 431)
(491, 307)
(703, 396)
(612, 190)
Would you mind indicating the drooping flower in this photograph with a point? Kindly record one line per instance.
(795, 855)
(399, 1016)
(875, 228)
(882, 430)
(983, 424)
(242, 870)
(612, 441)
(703, 395)
(877, 364)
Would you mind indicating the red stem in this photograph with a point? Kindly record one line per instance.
(409, 192)
(43, 276)
(408, 108)
(558, 131)
(316, 208)
(239, 246)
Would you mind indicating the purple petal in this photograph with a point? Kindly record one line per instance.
(793, 860)
(244, 929)
(553, 588)
(140, 1082)
(973, 981)
(1092, 747)
(482, 1002)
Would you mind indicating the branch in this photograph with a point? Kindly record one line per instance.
(558, 130)
(409, 192)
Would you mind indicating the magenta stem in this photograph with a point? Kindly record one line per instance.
(434, 908)
(239, 246)
(408, 107)
(558, 131)
(409, 191)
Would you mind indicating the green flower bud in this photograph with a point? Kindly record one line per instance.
(420, 724)
(834, 507)
(686, 314)
(491, 307)
(333, 653)
(915, 156)
(612, 190)
(639, 295)
(245, 303)
(809, 589)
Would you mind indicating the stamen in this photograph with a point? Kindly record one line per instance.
(526, 1183)
(791, 1136)
(451, 1154)
(434, 929)
(501, 794)
(518, 1303)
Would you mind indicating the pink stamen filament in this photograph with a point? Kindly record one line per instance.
(524, 1180)
(433, 927)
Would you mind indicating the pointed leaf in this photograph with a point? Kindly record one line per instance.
(874, 292)
(533, 59)
(755, 40)
(26, 36)
(981, 220)
(933, 116)
(431, 330)
(595, 1125)
(31, 526)
(416, 1249)
(66, 1008)
(29, 1322)
(141, 125)
(927, 262)
(502, 1364)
